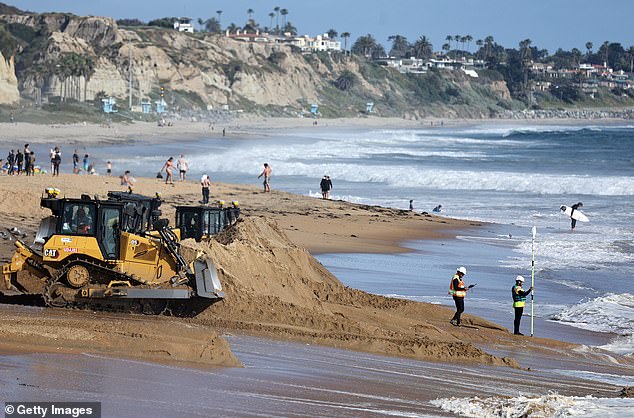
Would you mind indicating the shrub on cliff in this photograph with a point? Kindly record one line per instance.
(345, 81)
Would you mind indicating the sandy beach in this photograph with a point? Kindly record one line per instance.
(274, 287)
(282, 292)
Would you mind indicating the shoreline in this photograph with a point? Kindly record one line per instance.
(243, 127)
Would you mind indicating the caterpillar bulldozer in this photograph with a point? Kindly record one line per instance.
(113, 254)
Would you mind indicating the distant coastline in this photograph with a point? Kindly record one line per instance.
(246, 126)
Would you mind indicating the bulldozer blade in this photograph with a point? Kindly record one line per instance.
(207, 282)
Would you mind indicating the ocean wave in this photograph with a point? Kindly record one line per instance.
(609, 313)
(551, 405)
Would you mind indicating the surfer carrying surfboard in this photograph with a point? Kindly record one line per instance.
(573, 221)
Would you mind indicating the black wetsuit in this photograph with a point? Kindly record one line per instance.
(573, 221)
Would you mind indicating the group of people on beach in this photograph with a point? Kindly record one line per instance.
(458, 290)
(22, 161)
(182, 165)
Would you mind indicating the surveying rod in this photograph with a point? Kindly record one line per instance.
(533, 279)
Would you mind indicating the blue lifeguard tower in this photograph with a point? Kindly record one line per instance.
(146, 106)
(161, 106)
(109, 105)
(314, 109)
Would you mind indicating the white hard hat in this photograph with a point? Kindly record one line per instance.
(519, 279)
(462, 270)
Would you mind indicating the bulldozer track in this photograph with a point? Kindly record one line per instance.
(57, 293)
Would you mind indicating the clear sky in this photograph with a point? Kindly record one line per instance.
(549, 24)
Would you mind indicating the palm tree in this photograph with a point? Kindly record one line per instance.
(271, 15)
(219, 13)
(276, 9)
(446, 47)
(422, 48)
(469, 38)
(606, 47)
(201, 24)
(576, 56)
(250, 14)
(332, 34)
(284, 12)
(589, 48)
(457, 39)
(449, 40)
(525, 57)
(345, 36)
(400, 46)
(488, 41)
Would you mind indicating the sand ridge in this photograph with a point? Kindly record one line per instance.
(274, 287)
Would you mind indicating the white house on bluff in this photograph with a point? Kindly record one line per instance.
(184, 24)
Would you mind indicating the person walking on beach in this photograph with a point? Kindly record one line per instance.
(573, 221)
(183, 166)
(128, 181)
(519, 301)
(108, 168)
(27, 160)
(56, 160)
(411, 205)
(19, 159)
(325, 185)
(86, 164)
(11, 162)
(267, 177)
(75, 162)
(169, 168)
(32, 163)
(458, 291)
(205, 183)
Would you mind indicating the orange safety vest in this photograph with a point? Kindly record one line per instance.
(457, 293)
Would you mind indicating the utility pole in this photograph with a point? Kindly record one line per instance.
(130, 74)
(534, 233)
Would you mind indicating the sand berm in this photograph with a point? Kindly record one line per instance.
(274, 286)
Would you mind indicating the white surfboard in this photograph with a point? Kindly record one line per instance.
(577, 214)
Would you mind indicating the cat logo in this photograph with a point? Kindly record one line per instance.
(50, 253)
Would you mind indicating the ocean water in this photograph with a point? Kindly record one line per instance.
(512, 176)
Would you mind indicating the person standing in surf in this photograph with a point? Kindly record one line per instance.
(519, 301)
(573, 221)
(458, 291)
(267, 177)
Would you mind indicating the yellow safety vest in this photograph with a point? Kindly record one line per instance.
(519, 301)
(457, 293)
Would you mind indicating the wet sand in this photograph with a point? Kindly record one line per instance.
(279, 379)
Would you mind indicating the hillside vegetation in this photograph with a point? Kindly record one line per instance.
(62, 59)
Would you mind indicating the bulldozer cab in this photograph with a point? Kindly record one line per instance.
(202, 222)
(102, 219)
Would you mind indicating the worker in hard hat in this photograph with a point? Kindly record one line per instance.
(519, 301)
(458, 291)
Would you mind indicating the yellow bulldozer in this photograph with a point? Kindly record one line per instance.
(114, 254)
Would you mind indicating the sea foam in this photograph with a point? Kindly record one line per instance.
(551, 405)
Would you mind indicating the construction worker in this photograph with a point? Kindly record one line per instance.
(458, 291)
(519, 301)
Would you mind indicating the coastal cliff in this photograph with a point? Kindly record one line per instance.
(9, 93)
(210, 71)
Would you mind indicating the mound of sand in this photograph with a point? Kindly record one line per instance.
(278, 289)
